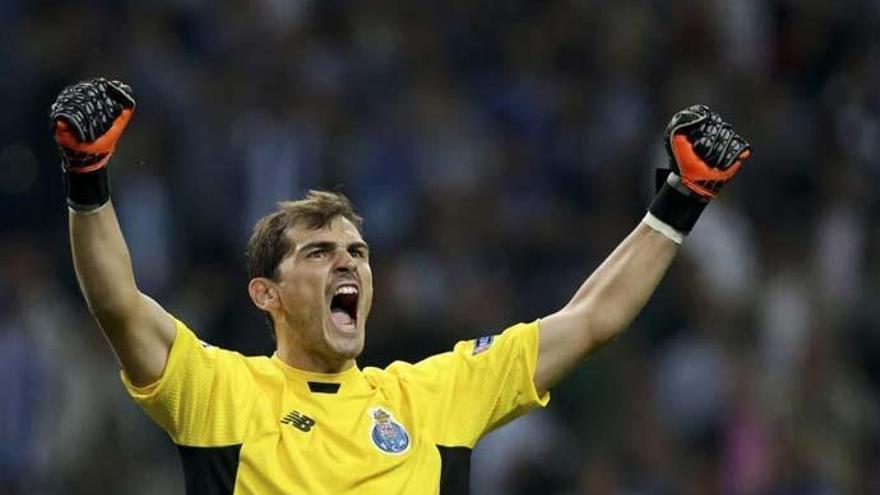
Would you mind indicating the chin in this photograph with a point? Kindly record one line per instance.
(351, 350)
(346, 347)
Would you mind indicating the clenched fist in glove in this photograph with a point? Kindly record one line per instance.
(704, 154)
(87, 120)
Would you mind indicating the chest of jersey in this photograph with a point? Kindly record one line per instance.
(364, 442)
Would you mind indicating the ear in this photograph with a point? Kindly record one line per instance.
(264, 294)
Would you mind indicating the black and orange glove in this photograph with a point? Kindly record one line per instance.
(87, 120)
(704, 154)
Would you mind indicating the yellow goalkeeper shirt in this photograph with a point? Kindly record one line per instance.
(254, 425)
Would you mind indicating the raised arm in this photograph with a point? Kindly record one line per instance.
(87, 120)
(705, 153)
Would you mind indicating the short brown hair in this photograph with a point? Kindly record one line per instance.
(269, 242)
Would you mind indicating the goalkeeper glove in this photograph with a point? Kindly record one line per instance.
(704, 154)
(87, 119)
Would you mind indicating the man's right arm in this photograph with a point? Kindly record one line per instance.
(87, 119)
(138, 329)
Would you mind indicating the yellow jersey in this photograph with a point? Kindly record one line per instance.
(254, 425)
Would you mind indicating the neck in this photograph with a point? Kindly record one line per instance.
(300, 359)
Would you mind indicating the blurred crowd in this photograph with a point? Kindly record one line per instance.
(498, 151)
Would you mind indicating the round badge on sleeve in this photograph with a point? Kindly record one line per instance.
(388, 435)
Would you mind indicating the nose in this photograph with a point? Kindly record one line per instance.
(345, 263)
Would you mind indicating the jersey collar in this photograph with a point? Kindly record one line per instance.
(349, 380)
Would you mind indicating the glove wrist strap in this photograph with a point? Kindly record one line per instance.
(87, 191)
(676, 208)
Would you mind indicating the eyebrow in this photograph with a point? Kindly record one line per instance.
(329, 245)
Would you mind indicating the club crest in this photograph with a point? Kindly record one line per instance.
(388, 435)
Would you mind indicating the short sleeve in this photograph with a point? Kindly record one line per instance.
(479, 386)
(204, 395)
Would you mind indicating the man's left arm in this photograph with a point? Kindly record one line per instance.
(705, 153)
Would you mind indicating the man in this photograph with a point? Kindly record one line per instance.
(308, 420)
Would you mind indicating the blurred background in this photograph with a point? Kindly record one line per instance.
(498, 151)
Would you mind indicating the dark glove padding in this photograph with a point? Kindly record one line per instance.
(90, 107)
(714, 140)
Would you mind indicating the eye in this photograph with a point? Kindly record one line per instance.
(358, 252)
(316, 254)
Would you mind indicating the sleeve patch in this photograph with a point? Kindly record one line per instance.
(483, 344)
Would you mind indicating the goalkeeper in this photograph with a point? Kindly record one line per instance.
(308, 419)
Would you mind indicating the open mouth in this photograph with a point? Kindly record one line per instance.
(343, 307)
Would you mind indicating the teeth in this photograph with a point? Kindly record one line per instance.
(346, 289)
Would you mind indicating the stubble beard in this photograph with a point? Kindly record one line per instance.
(317, 336)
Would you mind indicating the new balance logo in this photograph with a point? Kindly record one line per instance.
(299, 421)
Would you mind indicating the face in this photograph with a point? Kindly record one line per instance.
(325, 290)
